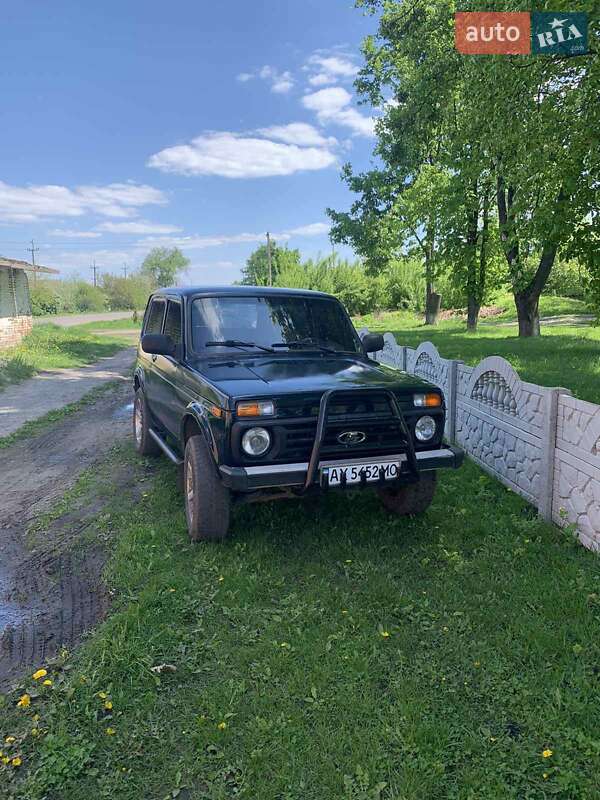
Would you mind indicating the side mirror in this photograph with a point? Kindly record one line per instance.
(372, 342)
(158, 344)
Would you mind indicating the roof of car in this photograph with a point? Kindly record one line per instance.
(187, 291)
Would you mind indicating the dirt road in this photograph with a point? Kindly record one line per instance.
(53, 389)
(50, 586)
(68, 320)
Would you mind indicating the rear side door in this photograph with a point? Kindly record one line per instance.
(153, 323)
(171, 401)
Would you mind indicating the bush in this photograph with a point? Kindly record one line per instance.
(568, 279)
(44, 300)
(89, 298)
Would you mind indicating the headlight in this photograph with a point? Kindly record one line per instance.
(256, 408)
(425, 429)
(256, 441)
(431, 399)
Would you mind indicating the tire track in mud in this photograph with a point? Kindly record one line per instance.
(51, 595)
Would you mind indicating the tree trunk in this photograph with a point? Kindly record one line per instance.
(433, 303)
(473, 307)
(528, 314)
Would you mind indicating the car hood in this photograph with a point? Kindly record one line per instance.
(273, 375)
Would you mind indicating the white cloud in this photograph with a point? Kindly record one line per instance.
(314, 229)
(70, 234)
(300, 133)
(30, 203)
(281, 82)
(137, 227)
(202, 242)
(329, 68)
(233, 155)
(332, 105)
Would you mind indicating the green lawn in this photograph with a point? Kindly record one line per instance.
(326, 651)
(566, 356)
(49, 346)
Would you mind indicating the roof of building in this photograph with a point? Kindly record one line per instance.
(186, 291)
(14, 263)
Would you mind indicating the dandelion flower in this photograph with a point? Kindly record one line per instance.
(108, 705)
(24, 701)
(221, 579)
(110, 731)
(16, 762)
(35, 717)
(41, 673)
(5, 759)
(385, 634)
(9, 739)
(102, 695)
(547, 753)
(221, 726)
(47, 682)
(344, 611)
(34, 732)
(545, 776)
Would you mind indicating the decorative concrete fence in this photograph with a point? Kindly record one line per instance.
(539, 441)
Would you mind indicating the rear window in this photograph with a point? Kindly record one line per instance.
(154, 320)
(173, 321)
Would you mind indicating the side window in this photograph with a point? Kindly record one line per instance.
(173, 321)
(154, 320)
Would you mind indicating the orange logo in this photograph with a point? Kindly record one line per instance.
(492, 32)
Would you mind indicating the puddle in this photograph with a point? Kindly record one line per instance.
(124, 412)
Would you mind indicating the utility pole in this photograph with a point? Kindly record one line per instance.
(94, 269)
(33, 250)
(125, 271)
(269, 259)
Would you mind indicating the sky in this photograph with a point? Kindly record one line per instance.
(129, 125)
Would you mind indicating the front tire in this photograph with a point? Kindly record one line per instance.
(144, 443)
(207, 501)
(414, 498)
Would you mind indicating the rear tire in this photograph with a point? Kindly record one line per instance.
(414, 498)
(207, 501)
(144, 443)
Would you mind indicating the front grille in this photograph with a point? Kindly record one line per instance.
(294, 428)
(383, 436)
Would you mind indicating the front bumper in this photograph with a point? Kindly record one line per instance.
(250, 479)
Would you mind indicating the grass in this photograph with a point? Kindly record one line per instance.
(566, 356)
(550, 306)
(50, 346)
(326, 651)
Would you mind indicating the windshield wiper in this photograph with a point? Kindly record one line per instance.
(305, 343)
(237, 343)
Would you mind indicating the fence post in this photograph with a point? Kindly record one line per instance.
(452, 391)
(546, 492)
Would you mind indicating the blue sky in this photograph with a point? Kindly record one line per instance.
(131, 124)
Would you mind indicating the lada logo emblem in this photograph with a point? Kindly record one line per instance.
(351, 437)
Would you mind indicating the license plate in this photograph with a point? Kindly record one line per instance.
(354, 472)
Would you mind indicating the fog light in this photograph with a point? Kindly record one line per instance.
(256, 441)
(431, 399)
(425, 429)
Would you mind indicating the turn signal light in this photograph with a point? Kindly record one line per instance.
(256, 408)
(429, 400)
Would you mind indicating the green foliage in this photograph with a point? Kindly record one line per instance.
(44, 299)
(162, 265)
(125, 294)
(50, 346)
(88, 297)
(568, 279)
(256, 271)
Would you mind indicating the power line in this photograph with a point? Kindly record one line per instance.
(33, 250)
(269, 259)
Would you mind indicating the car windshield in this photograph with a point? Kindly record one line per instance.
(247, 323)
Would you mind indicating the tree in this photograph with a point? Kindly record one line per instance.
(126, 294)
(526, 126)
(256, 271)
(162, 265)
